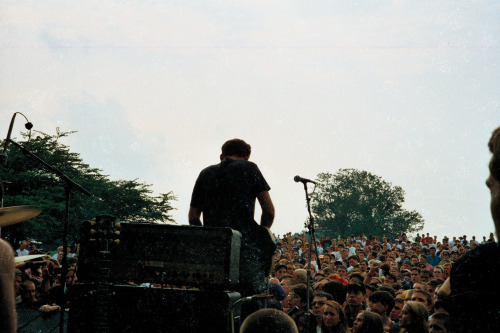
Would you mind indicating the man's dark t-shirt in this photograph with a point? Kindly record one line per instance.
(226, 194)
(474, 281)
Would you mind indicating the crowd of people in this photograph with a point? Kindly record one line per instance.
(366, 283)
(37, 282)
(392, 284)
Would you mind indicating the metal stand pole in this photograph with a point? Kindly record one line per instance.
(312, 238)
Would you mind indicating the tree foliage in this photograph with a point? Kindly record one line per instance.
(28, 182)
(354, 202)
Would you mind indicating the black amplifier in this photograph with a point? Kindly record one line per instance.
(152, 310)
(178, 255)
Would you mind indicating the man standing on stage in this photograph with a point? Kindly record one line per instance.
(225, 193)
(473, 301)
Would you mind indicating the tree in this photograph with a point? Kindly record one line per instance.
(29, 183)
(355, 202)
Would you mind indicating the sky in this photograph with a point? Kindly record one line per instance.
(407, 90)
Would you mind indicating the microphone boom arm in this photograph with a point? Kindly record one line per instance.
(68, 181)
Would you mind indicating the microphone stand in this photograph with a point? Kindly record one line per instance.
(69, 185)
(312, 239)
(1, 200)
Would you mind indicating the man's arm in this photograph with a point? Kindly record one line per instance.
(267, 218)
(7, 298)
(194, 216)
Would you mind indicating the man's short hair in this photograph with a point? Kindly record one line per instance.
(445, 318)
(302, 290)
(356, 287)
(415, 269)
(428, 296)
(302, 273)
(442, 304)
(323, 294)
(435, 282)
(371, 286)
(27, 283)
(392, 276)
(277, 268)
(494, 145)
(337, 290)
(440, 268)
(383, 297)
(268, 320)
(356, 275)
(236, 147)
(389, 289)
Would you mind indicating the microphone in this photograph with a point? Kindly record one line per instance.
(303, 180)
(28, 126)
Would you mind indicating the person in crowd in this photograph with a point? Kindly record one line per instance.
(298, 296)
(432, 287)
(442, 306)
(29, 295)
(382, 303)
(438, 272)
(318, 304)
(300, 276)
(23, 250)
(420, 285)
(425, 275)
(286, 284)
(414, 318)
(290, 268)
(415, 274)
(446, 264)
(355, 303)
(390, 279)
(342, 271)
(439, 323)
(18, 280)
(334, 318)
(422, 296)
(268, 321)
(59, 255)
(396, 314)
(279, 271)
(432, 258)
(337, 290)
(368, 322)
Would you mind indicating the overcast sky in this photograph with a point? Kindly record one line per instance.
(407, 90)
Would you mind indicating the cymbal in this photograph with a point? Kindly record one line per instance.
(16, 214)
(28, 257)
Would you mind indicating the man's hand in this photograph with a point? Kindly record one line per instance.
(267, 218)
(194, 216)
(270, 232)
(49, 308)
